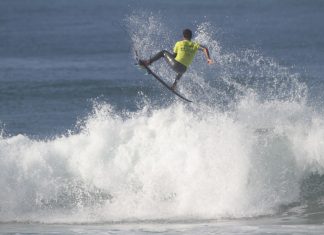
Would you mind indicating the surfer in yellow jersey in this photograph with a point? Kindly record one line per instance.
(183, 53)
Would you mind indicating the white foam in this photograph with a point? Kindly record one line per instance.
(163, 164)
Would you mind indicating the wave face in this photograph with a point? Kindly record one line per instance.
(248, 146)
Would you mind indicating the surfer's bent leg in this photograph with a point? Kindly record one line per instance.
(174, 85)
(175, 65)
(167, 55)
(159, 55)
(156, 57)
(179, 68)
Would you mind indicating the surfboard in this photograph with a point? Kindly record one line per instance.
(149, 71)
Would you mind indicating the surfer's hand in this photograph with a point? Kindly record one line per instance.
(210, 61)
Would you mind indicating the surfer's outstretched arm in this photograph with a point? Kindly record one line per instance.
(206, 52)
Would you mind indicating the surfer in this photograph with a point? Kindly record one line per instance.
(183, 53)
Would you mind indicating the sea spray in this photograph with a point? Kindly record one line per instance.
(168, 163)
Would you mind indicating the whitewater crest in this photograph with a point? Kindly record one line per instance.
(247, 147)
(168, 163)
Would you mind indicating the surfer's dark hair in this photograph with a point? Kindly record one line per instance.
(187, 34)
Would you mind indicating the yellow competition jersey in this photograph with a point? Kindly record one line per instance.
(186, 51)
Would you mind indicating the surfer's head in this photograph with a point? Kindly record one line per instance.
(187, 34)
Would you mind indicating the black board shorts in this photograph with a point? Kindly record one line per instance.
(175, 65)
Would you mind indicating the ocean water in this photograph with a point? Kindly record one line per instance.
(91, 145)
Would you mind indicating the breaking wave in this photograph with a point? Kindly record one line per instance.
(248, 146)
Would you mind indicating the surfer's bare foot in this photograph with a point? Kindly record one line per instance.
(144, 62)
